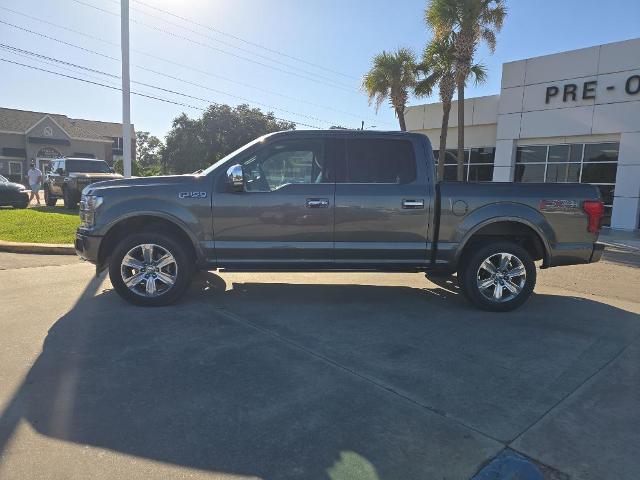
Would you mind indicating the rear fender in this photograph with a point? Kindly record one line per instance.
(505, 212)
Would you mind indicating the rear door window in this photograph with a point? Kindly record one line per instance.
(376, 160)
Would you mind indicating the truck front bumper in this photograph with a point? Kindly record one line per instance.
(88, 247)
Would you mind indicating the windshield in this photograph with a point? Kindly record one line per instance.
(2, 179)
(231, 155)
(87, 166)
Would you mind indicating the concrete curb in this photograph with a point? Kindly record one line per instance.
(621, 246)
(38, 248)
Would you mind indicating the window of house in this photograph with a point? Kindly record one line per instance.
(380, 161)
(15, 172)
(14, 152)
(594, 163)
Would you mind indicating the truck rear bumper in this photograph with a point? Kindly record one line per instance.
(575, 254)
(596, 254)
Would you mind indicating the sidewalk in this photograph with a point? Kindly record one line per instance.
(620, 238)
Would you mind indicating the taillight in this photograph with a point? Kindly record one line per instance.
(594, 210)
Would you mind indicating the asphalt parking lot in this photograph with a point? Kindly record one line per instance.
(316, 376)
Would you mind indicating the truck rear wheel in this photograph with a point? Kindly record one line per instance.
(498, 277)
(150, 269)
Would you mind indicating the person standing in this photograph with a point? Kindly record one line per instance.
(35, 182)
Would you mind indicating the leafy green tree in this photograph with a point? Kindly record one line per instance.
(468, 22)
(194, 144)
(437, 68)
(148, 150)
(391, 77)
(119, 168)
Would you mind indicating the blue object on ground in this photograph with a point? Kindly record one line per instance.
(508, 465)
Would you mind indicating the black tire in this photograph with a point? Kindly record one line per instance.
(49, 200)
(470, 276)
(70, 203)
(183, 262)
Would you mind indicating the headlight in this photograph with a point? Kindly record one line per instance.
(88, 206)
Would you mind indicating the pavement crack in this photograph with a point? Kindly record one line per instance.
(568, 394)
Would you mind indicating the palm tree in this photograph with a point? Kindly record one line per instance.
(438, 68)
(471, 21)
(391, 77)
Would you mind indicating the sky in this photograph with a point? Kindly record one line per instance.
(303, 60)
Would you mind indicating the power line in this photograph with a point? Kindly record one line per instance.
(163, 74)
(81, 67)
(248, 42)
(152, 97)
(211, 47)
(209, 37)
(181, 65)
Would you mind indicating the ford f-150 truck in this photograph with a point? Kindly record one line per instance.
(335, 201)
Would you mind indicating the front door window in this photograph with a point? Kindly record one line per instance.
(283, 164)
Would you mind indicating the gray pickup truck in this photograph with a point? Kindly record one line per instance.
(335, 201)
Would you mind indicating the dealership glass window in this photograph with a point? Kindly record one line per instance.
(478, 164)
(594, 163)
(529, 173)
(531, 154)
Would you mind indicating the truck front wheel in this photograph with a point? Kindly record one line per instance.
(70, 203)
(498, 277)
(49, 199)
(150, 269)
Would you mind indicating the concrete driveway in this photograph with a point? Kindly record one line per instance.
(316, 376)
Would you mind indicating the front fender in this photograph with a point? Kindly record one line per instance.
(504, 212)
(191, 219)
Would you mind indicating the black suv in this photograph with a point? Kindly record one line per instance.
(68, 176)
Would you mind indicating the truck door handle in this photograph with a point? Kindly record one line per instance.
(317, 202)
(413, 203)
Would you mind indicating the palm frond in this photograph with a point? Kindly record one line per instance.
(391, 76)
(479, 73)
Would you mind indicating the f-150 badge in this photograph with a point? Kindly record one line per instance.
(192, 194)
(558, 205)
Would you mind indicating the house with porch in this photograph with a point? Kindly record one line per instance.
(41, 137)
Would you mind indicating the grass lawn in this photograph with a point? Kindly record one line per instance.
(39, 225)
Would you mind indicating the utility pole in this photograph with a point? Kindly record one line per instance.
(126, 88)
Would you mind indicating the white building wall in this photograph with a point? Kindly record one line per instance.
(479, 119)
(526, 113)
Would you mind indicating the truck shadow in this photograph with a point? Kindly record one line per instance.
(201, 385)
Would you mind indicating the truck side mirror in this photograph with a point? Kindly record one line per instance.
(235, 178)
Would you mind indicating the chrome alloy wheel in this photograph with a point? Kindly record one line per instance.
(149, 270)
(501, 277)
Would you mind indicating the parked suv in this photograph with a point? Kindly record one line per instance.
(335, 201)
(68, 176)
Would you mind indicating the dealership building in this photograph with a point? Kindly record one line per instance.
(567, 117)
